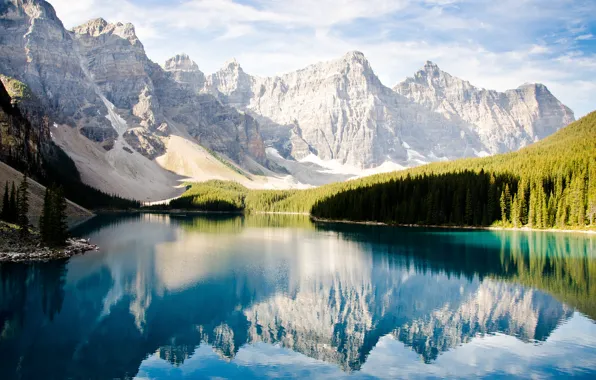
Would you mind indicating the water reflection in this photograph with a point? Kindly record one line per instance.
(166, 286)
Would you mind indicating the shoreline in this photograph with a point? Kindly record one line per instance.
(165, 212)
(199, 212)
(280, 213)
(36, 253)
(184, 212)
(30, 248)
(479, 228)
(343, 221)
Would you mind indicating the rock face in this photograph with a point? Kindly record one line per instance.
(186, 72)
(339, 110)
(37, 50)
(153, 100)
(504, 121)
(21, 144)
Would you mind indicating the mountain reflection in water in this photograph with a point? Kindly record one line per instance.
(166, 287)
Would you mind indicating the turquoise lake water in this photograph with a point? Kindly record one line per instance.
(269, 296)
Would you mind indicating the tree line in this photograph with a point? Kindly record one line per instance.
(53, 227)
(471, 198)
(15, 206)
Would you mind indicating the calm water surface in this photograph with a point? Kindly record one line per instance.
(280, 297)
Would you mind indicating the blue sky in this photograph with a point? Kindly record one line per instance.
(493, 44)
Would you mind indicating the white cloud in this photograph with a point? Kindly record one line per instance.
(539, 49)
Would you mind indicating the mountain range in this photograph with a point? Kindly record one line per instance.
(136, 128)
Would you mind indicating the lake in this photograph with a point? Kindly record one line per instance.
(276, 296)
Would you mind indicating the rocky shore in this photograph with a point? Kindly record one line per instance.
(15, 249)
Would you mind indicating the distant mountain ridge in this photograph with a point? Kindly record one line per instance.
(504, 121)
(136, 128)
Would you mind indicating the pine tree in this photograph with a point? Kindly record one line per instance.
(469, 213)
(12, 217)
(581, 200)
(544, 208)
(532, 206)
(591, 210)
(508, 200)
(46, 217)
(515, 217)
(505, 205)
(23, 207)
(59, 217)
(552, 210)
(5, 204)
(503, 208)
(561, 219)
(522, 206)
(539, 205)
(491, 202)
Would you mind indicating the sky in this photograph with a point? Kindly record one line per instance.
(493, 44)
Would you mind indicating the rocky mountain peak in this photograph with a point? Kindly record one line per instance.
(181, 62)
(431, 67)
(356, 58)
(231, 65)
(534, 87)
(432, 76)
(99, 26)
(516, 118)
(29, 8)
(92, 27)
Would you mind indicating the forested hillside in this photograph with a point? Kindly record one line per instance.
(551, 183)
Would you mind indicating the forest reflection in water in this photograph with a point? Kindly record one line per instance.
(164, 286)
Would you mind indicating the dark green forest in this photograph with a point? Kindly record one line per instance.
(551, 183)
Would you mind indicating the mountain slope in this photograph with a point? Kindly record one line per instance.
(75, 213)
(504, 121)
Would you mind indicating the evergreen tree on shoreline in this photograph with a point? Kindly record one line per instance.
(46, 217)
(52, 224)
(12, 215)
(5, 204)
(23, 207)
(61, 225)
